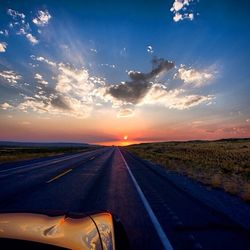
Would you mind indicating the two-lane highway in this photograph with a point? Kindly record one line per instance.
(156, 214)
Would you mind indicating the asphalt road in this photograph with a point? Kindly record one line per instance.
(156, 213)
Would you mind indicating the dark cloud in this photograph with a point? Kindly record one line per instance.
(52, 97)
(60, 102)
(133, 91)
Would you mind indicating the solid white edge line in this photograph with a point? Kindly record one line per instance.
(163, 237)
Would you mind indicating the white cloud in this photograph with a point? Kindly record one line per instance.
(40, 79)
(150, 49)
(72, 96)
(5, 106)
(45, 105)
(174, 99)
(42, 18)
(21, 27)
(15, 14)
(32, 39)
(177, 17)
(181, 10)
(192, 76)
(4, 32)
(42, 59)
(143, 90)
(3, 46)
(76, 83)
(76, 92)
(177, 5)
(159, 94)
(191, 16)
(93, 50)
(108, 65)
(10, 76)
(21, 32)
(38, 76)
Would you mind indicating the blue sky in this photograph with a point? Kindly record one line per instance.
(90, 61)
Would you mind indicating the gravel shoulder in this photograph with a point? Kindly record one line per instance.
(216, 198)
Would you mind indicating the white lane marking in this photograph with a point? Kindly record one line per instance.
(163, 237)
(38, 165)
(60, 175)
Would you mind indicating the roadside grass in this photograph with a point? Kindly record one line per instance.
(221, 164)
(10, 154)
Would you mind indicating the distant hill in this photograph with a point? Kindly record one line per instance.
(234, 139)
(196, 141)
(43, 144)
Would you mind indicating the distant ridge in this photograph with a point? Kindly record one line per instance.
(218, 140)
(234, 139)
(198, 141)
(43, 144)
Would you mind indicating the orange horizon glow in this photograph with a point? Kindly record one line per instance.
(117, 143)
(114, 131)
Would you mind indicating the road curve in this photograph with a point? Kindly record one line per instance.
(156, 214)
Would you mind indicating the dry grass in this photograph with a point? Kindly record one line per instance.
(220, 164)
(10, 154)
(246, 192)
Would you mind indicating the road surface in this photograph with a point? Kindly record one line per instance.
(156, 213)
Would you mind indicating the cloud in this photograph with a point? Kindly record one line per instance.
(25, 123)
(72, 80)
(56, 105)
(21, 27)
(182, 10)
(42, 59)
(195, 77)
(21, 31)
(10, 76)
(150, 49)
(123, 51)
(4, 32)
(191, 16)
(134, 90)
(177, 5)
(174, 99)
(32, 38)
(3, 46)
(5, 106)
(40, 79)
(93, 50)
(125, 112)
(75, 92)
(143, 89)
(177, 17)
(15, 14)
(108, 65)
(72, 94)
(42, 18)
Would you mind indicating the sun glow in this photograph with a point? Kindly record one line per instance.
(125, 137)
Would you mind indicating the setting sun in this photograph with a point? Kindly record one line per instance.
(125, 137)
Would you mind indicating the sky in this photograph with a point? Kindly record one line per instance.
(121, 72)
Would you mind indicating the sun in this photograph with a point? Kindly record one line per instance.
(125, 137)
